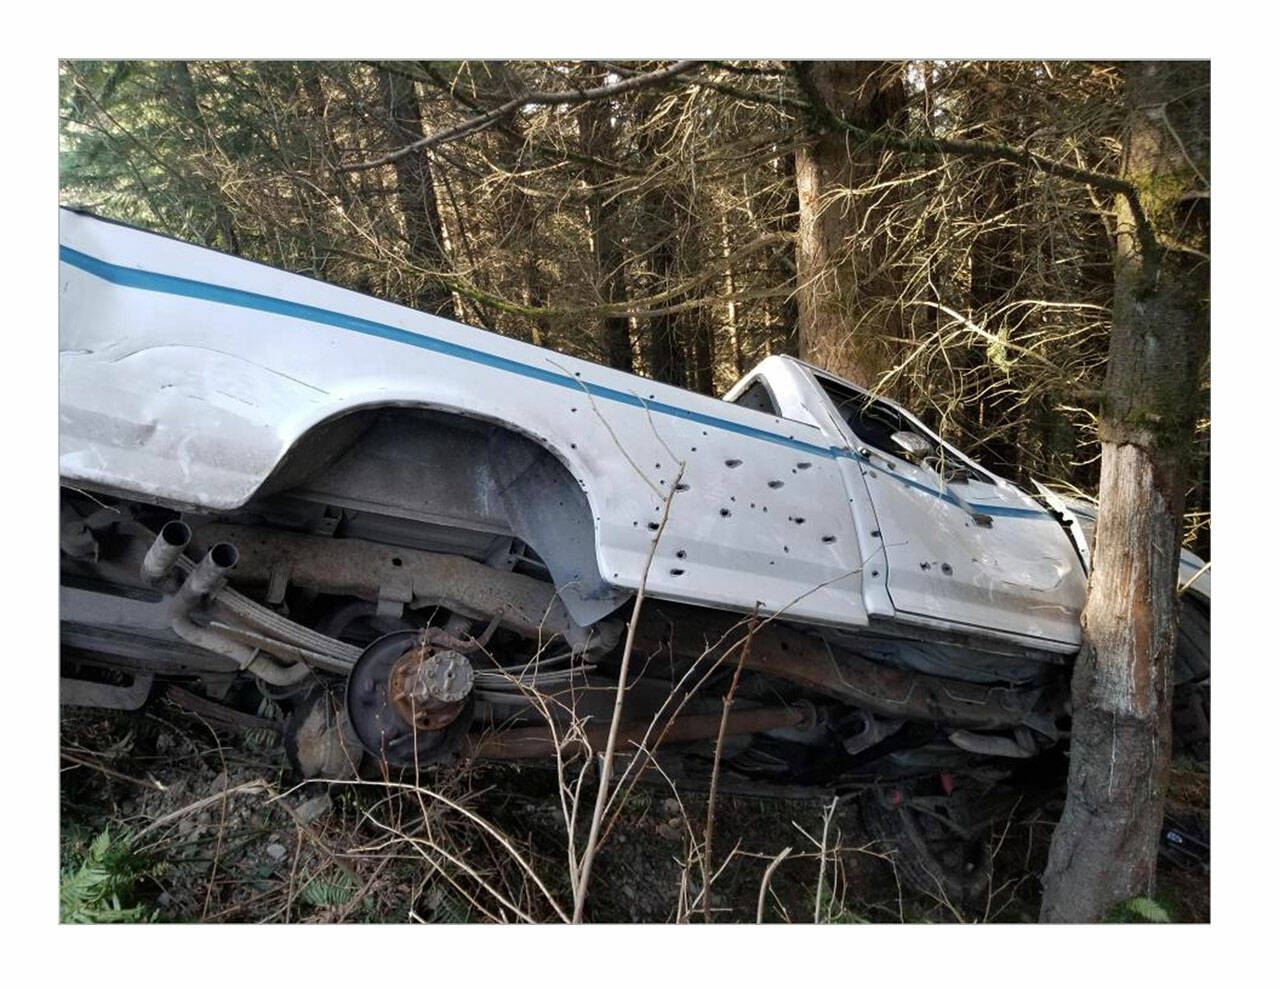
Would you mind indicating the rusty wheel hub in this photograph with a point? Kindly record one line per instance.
(409, 698)
(430, 689)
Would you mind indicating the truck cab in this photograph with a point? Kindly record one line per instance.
(950, 544)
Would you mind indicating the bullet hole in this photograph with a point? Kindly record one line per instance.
(733, 463)
(693, 449)
(875, 532)
(573, 446)
(828, 539)
(396, 561)
(653, 526)
(875, 573)
(799, 521)
(658, 466)
(764, 508)
(924, 566)
(775, 484)
(732, 498)
(753, 504)
(681, 554)
(946, 569)
(682, 486)
(676, 572)
(635, 523)
(725, 513)
(574, 409)
(770, 563)
(786, 549)
(804, 465)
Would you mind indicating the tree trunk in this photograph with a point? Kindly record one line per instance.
(1104, 848)
(416, 194)
(846, 297)
(784, 331)
(995, 265)
(665, 344)
(596, 138)
(731, 307)
(702, 369)
(181, 74)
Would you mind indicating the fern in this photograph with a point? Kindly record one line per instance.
(452, 910)
(1139, 910)
(95, 890)
(265, 739)
(328, 892)
(446, 907)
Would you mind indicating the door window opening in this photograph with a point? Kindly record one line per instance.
(756, 396)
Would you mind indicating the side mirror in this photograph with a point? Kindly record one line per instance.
(912, 447)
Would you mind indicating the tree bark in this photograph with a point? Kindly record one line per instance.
(731, 307)
(847, 300)
(416, 194)
(666, 352)
(1104, 847)
(702, 371)
(785, 332)
(596, 138)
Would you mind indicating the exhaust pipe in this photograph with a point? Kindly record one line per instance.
(202, 582)
(208, 577)
(165, 551)
(210, 573)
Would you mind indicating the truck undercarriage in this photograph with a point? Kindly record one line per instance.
(385, 656)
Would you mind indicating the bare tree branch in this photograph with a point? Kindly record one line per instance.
(487, 119)
(988, 150)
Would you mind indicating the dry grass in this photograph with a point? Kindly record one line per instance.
(484, 843)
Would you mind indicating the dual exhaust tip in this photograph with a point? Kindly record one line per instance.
(171, 543)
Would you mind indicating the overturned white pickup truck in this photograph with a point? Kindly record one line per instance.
(266, 476)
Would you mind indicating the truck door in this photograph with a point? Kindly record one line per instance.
(962, 548)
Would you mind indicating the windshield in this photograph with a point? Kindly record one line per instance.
(874, 423)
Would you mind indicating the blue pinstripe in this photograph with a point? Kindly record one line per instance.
(151, 281)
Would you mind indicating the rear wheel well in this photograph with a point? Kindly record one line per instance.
(445, 470)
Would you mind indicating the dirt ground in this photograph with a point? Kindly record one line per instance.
(204, 824)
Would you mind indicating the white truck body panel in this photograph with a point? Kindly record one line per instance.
(186, 375)
(1193, 573)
